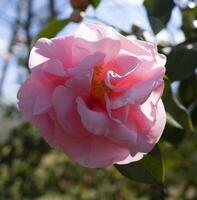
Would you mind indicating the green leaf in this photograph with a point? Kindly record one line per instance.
(156, 24)
(159, 13)
(148, 170)
(51, 29)
(173, 134)
(95, 3)
(194, 115)
(181, 62)
(176, 111)
(190, 30)
(188, 90)
(171, 121)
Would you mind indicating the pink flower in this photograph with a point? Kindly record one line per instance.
(95, 95)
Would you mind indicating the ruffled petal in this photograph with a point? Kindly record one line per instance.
(130, 159)
(92, 151)
(65, 105)
(95, 32)
(139, 92)
(34, 90)
(98, 123)
(90, 39)
(86, 64)
(45, 49)
(150, 122)
(54, 67)
(159, 125)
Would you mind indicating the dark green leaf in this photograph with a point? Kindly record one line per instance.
(178, 117)
(173, 134)
(181, 62)
(148, 170)
(156, 24)
(194, 115)
(172, 122)
(51, 29)
(188, 90)
(95, 3)
(159, 13)
(190, 30)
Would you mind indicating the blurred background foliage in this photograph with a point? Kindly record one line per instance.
(30, 169)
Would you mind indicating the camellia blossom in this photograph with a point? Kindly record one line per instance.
(96, 95)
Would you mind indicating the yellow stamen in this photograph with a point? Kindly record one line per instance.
(98, 86)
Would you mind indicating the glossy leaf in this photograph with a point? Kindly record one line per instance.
(51, 29)
(190, 30)
(188, 90)
(176, 110)
(172, 122)
(148, 170)
(95, 3)
(156, 24)
(159, 13)
(173, 134)
(194, 115)
(181, 62)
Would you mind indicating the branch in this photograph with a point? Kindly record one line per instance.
(10, 48)
(53, 12)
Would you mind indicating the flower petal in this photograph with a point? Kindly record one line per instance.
(92, 151)
(65, 108)
(150, 121)
(58, 48)
(55, 67)
(90, 39)
(86, 64)
(140, 92)
(130, 159)
(98, 123)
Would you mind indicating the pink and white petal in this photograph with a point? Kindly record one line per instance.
(99, 124)
(92, 152)
(30, 88)
(82, 48)
(91, 38)
(160, 60)
(126, 63)
(36, 59)
(80, 85)
(120, 113)
(138, 94)
(119, 76)
(150, 126)
(45, 49)
(130, 159)
(63, 46)
(86, 64)
(64, 104)
(113, 81)
(43, 102)
(135, 47)
(95, 32)
(157, 130)
(33, 90)
(148, 45)
(62, 99)
(46, 126)
(157, 92)
(54, 67)
(43, 121)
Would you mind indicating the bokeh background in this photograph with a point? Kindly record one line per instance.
(29, 168)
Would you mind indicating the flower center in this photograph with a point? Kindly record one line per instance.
(98, 87)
